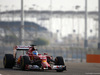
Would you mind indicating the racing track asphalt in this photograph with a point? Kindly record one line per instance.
(72, 69)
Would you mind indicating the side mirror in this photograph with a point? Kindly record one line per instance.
(45, 53)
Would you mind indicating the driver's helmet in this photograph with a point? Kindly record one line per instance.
(35, 52)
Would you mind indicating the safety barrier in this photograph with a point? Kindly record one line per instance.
(92, 58)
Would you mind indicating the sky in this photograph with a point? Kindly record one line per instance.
(63, 5)
(45, 4)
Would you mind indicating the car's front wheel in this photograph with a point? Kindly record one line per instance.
(59, 61)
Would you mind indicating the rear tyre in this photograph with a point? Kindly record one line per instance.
(59, 61)
(24, 61)
(8, 61)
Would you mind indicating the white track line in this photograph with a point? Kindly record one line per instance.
(93, 73)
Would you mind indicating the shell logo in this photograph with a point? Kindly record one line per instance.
(44, 61)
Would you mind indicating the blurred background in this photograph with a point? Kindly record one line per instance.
(67, 28)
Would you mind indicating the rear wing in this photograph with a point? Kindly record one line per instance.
(22, 48)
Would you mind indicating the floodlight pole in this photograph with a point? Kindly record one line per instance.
(50, 23)
(0, 12)
(99, 27)
(22, 24)
(85, 34)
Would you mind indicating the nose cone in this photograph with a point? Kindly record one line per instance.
(45, 64)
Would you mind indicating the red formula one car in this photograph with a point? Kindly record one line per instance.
(27, 57)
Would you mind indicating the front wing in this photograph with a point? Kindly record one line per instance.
(59, 67)
(54, 67)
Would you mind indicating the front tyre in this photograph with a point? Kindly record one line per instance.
(59, 61)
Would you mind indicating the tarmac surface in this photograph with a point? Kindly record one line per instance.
(72, 69)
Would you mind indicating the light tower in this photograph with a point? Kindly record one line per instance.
(22, 24)
(85, 34)
(99, 27)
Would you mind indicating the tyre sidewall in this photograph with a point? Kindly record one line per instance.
(8, 61)
(24, 61)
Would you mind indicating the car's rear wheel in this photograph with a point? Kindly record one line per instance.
(24, 61)
(8, 61)
(59, 61)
